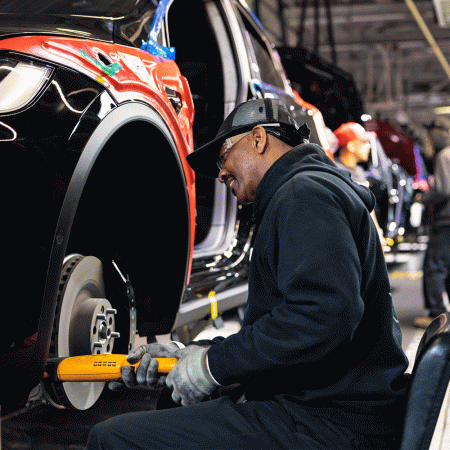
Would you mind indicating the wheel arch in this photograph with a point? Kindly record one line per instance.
(126, 115)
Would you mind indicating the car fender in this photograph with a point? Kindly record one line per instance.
(116, 119)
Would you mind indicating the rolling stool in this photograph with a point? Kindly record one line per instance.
(427, 418)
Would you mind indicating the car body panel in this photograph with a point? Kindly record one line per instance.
(137, 76)
(124, 84)
(393, 189)
(324, 85)
(399, 146)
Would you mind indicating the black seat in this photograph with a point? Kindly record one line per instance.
(430, 380)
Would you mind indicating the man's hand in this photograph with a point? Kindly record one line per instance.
(190, 378)
(147, 371)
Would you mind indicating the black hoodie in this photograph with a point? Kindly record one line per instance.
(320, 329)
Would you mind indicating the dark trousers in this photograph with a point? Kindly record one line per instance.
(436, 271)
(222, 424)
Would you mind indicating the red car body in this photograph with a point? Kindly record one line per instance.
(141, 76)
(138, 83)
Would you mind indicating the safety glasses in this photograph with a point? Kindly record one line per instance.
(228, 143)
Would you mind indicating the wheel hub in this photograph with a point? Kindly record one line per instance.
(92, 328)
(84, 325)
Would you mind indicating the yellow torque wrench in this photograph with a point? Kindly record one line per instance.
(104, 367)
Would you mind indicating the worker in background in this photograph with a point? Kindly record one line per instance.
(354, 148)
(436, 267)
(319, 354)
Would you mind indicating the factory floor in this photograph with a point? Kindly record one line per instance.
(46, 428)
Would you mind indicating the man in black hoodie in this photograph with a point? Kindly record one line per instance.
(319, 353)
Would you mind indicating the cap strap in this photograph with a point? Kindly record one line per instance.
(269, 109)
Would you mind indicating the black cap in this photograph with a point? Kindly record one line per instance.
(244, 118)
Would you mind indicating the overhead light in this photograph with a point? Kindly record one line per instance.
(442, 9)
(428, 36)
(366, 117)
(442, 110)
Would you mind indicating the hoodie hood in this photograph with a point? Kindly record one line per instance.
(304, 158)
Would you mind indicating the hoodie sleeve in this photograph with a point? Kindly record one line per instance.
(441, 190)
(306, 285)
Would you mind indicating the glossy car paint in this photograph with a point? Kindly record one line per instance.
(122, 80)
(137, 76)
(399, 146)
(392, 187)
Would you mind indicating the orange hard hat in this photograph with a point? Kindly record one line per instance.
(352, 131)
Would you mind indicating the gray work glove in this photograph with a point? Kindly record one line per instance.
(190, 379)
(147, 372)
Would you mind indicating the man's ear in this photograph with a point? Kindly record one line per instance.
(259, 139)
(351, 146)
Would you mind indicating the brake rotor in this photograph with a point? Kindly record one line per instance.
(84, 325)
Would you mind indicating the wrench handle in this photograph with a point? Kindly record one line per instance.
(102, 367)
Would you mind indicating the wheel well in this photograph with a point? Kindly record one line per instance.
(134, 210)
